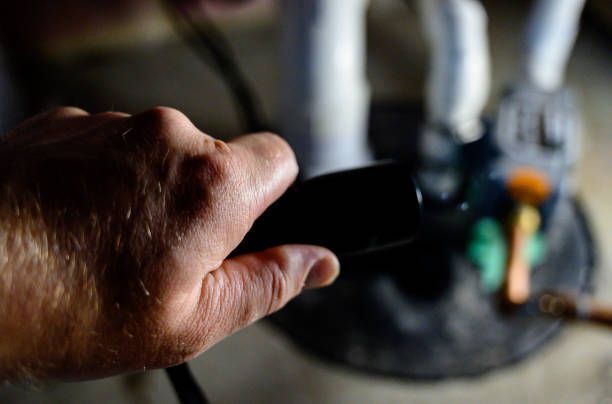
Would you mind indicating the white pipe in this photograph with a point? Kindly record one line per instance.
(458, 82)
(325, 95)
(551, 33)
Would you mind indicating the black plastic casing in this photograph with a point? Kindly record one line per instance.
(349, 212)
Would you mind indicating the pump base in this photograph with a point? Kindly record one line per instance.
(420, 313)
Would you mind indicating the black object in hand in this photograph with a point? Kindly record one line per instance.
(350, 212)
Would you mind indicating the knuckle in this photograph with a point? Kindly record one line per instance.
(112, 114)
(166, 125)
(277, 151)
(165, 115)
(65, 111)
(275, 145)
(276, 140)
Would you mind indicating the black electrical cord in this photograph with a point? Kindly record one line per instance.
(185, 385)
(208, 42)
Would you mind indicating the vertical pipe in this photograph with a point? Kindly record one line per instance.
(458, 82)
(325, 94)
(551, 33)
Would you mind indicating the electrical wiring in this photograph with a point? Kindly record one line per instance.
(185, 385)
(211, 46)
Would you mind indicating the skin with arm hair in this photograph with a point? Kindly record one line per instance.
(114, 233)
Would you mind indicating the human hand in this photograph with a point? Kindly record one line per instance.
(114, 237)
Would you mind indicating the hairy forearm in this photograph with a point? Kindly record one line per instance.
(76, 229)
(42, 280)
(68, 247)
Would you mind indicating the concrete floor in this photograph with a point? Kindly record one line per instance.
(258, 365)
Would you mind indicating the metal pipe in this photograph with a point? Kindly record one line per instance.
(550, 36)
(325, 95)
(458, 82)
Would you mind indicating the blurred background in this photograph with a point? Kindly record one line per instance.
(126, 56)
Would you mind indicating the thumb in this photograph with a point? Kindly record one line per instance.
(246, 288)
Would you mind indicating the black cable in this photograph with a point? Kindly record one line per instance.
(209, 43)
(185, 385)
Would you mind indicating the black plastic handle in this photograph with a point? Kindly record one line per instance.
(350, 212)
